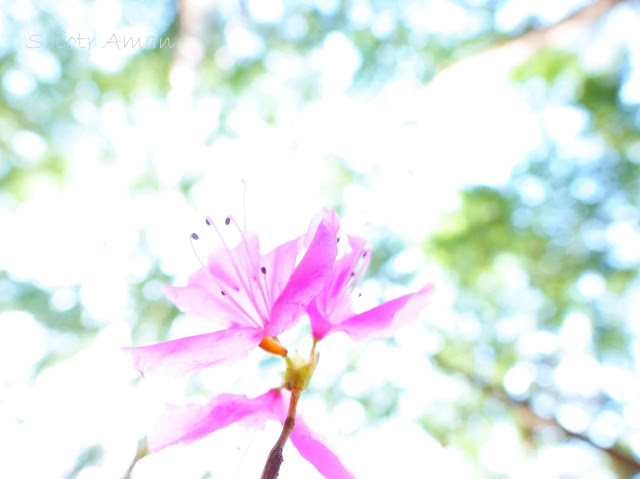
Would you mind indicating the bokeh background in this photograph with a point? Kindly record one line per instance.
(488, 146)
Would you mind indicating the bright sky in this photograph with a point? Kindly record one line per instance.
(415, 145)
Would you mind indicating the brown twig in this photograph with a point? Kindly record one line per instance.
(275, 459)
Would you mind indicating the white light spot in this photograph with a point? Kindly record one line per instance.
(18, 82)
(42, 63)
(384, 24)
(241, 42)
(606, 428)
(532, 191)
(360, 14)
(624, 237)
(327, 7)
(586, 190)
(268, 11)
(621, 384)
(29, 146)
(518, 379)
(573, 417)
(577, 374)
(63, 299)
(338, 61)
(22, 345)
(537, 343)
(575, 333)
(352, 384)
(348, 416)
(591, 285)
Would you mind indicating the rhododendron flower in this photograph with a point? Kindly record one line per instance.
(331, 310)
(255, 297)
(185, 424)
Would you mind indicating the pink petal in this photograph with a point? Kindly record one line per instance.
(181, 356)
(202, 296)
(279, 264)
(386, 318)
(327, 216)
(314, 449)
(219, 291)
(244, 257)
(185, 424)
(305, 282)
(320, 324)
(333, 304)
(342, 271)
(310, 445)
(349, 262)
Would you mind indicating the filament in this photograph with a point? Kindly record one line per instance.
(193, 237)
(250, 266)
(236, 267)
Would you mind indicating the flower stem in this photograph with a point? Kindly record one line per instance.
(275, 459)
(142, 451)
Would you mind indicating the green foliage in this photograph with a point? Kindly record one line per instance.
(549, 65)
(22, 296)
(550, 228)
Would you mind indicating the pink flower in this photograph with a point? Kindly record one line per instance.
(185, 424)
(331, 310)
(255, 297)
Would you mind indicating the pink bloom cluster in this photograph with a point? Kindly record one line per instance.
(256, 297)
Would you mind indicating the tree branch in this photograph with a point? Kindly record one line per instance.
(275, 459)
(530, 420)
(500, 59)
(564, 32)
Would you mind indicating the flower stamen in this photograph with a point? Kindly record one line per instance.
(272, 345)
(344, 282)
(267, 290)
(361, 269)
(250, 267)
(194, 236)
(236, 267)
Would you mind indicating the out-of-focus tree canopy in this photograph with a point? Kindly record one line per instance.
(527, 364)
(547, 269)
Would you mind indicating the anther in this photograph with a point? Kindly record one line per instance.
(195, 236)
(364, 253)
(223, 293)
(338, 240)
(227, 221)
(208, 222)
(264, 270)
(273, 346)
(359, 294)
